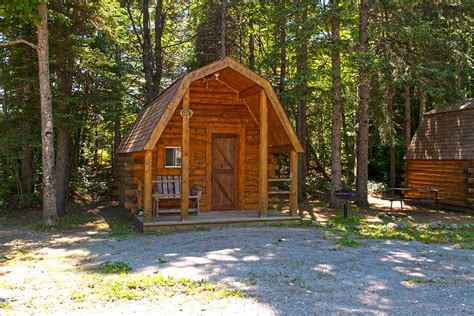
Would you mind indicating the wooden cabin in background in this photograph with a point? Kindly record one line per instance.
(441, 155)
(217, 129)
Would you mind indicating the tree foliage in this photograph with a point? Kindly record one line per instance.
(426, 45)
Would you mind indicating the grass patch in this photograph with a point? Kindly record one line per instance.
(5, 305)
(119, 223)
(16, 255)
(69, 221)
(346, 241)
(250, 281)
(201, 228)
(117, 267)
(137, 287)
(115, 220)
(300, 223)
(419, 281)
(353, 220)
(77, 218)
(78, 296)
(408, 230)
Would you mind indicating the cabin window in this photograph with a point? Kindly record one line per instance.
(173, 157)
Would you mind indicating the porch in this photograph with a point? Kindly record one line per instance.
(229, 163)
(206, 220)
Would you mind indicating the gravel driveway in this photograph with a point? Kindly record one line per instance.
(283, 271)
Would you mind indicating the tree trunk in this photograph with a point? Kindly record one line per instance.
(96, 149)
(252, 51)
(348, 141)
(301, 122)
(26, 162)
(336, 182)
(159, 27)
(362, 173)
(117, 118)
(391, 148)
(6, 106)
(281, 85)
(26, 173)
(47, 139)
(63, 139)
(223, 29)
(407, 116)
(147, 58)
(422, 105)
(118, 111)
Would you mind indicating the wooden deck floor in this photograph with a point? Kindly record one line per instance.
(169, 222)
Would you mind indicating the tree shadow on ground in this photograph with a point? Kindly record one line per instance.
(293, 270)
(289, 270)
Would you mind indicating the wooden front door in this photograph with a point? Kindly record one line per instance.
(224, 183)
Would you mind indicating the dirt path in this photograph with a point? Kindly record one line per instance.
(281, 270)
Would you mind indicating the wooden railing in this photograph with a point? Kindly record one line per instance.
(277, 192)
(292, 192)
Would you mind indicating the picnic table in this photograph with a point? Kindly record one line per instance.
(401, 196)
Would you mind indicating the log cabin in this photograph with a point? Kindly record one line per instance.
(210, 138)
(441, 155)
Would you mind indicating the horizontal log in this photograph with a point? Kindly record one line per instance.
(279, 180)
(124, 200)
(223, 94)
(434, 170)
(250, 91)
(210, 90)
(222, 102)
(131, 167)
(278, 192)
(422, 183)
(125, 159)
(435, 180)
(129, 192)
(443, 187)
(129, 205)
(445, 195)
(442, 165)
(459, 171)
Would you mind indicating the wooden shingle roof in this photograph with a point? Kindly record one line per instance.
(445, 134)
(153, 119)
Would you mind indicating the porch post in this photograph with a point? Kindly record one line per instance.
(263, 168)
(186, 113)
(147, 186)
(293, 183)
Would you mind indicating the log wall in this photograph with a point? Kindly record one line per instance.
(452, 177)
(129, 167)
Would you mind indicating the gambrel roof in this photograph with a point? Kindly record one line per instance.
(152, 120)
(445, 134)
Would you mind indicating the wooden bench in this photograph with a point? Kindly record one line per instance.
(169, 188)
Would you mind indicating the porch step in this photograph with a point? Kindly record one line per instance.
(196, 223)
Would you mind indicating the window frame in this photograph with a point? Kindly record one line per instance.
(175, 157)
